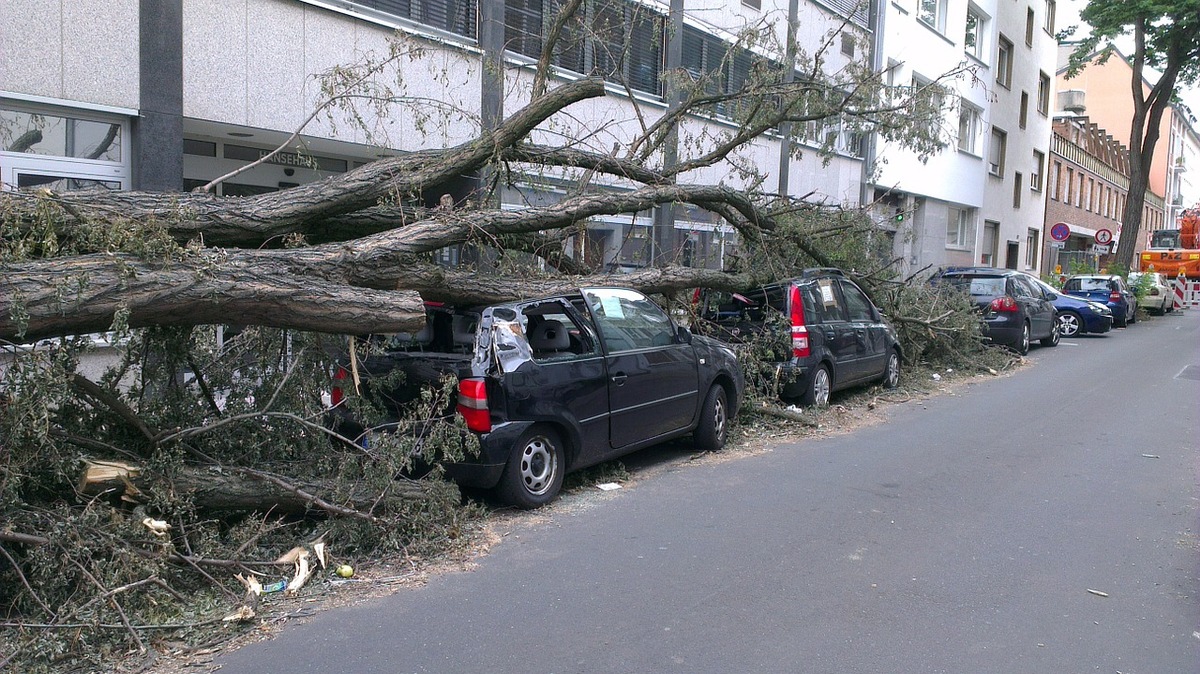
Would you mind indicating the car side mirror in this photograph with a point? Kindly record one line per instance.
(683, 335)
(1051, 296)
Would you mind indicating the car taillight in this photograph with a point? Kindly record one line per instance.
(1114, 296)
(473, 405)
(337, 395)
(800, 347)
(1005, 303)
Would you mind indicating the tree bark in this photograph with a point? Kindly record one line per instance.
(218, 489)
(352, 287)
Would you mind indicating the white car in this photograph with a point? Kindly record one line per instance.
(1159, 298)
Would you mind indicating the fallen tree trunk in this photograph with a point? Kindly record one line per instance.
(226, 489)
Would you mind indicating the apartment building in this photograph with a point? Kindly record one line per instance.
(1086, 189)
(170, 94)
(981, 201)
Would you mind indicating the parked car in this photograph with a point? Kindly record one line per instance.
(1160, 297)
(836, 337)
(1076, 315)
(1108, 288)
(558, 384)
(1013, 311)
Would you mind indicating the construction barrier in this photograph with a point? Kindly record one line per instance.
(1187, 292)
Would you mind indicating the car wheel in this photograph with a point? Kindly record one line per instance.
(534, 473)
(817, 393)
(1132, 316)
(714, 421)
(1070, 324)
(1123, 322)
(891, 373)
(1022, 347)
(1055, 336)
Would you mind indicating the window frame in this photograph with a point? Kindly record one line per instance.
(1004, 61)
(1043, 104)
(1035, 176)
(999, 140)
(975, 122)
(958, 224)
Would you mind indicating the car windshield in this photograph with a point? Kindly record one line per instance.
(985, 286)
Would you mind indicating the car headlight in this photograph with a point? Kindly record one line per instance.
(1100, 308)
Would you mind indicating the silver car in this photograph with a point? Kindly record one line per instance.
(1159, 298)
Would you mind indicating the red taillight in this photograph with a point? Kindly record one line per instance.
(473, 405)
(1005, 303)
(1114, 296)
(696, 296)
(337, 395)
(800, 347)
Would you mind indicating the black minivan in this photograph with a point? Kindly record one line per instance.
(838, 337)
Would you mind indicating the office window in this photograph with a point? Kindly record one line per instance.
(1089, 197)
(1069, 186)
(976, 29)
(1035, 176)
(1018, 189)
(455, 16)
(1079, 191)
(968, 128)
(615, 39)
(959, 226)
(996, 153)
(1032, 248)
(1029, 21)
(1055, 176)
(1043, 93)
(1024, 112)
(933, 14)
(1004, 61)
(1051, 9)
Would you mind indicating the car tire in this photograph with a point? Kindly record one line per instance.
(1132, 318)
(891, 372)
(1054, 337)
(819, 387)
(1124, 322)
(1022, 346)
(534, 473)
(713, 426)
(1070, 324)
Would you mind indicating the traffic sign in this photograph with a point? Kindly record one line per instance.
(1104, 236)
(1058, 245)
(1061, 231)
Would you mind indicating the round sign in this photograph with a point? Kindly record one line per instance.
(1104, 236)
(1060, 231)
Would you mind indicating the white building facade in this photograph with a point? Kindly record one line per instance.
(980, 202)
(170, 94)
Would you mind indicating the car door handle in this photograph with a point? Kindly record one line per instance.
(619, 378)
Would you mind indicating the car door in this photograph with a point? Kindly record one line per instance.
(829, 327)
(869, 334)
(1034, 306)
(653, 378)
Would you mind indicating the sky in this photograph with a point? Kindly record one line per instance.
(1068, 15)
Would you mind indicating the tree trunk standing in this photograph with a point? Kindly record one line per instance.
(1143, 137)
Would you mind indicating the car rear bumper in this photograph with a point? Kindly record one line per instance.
(494, 449)
(1006, 330)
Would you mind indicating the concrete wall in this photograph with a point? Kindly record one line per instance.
(86, 52)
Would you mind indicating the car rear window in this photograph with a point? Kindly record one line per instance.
(982, 286)
(1090, 284)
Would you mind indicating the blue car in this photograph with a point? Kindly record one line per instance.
(1077, 315)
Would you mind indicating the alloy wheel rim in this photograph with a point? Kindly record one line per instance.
(821, 388)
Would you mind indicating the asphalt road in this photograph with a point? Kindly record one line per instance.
(1041, 522)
